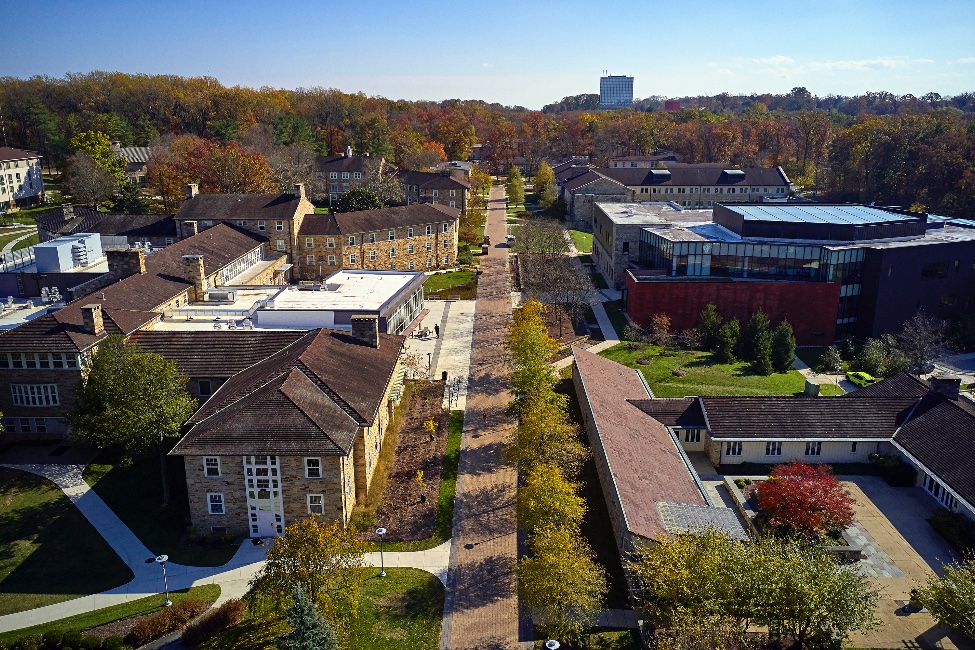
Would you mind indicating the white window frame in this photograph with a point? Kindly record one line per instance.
(392, 235)
(412, 265)
(429, 246)
(353, 258)
(35, 394)
(207, 467)
(320, 505)
(372, 256)
(279, 226)
(309, 242)
(357, 175)
(446, 226)
(351, 240)
(692, 435)
(429, 262)
(309, 260)
(814, 448)
(446, 259)
(199, 385)
(429, 230)
(733, 448)
(372, 238)
(333, 175)
(392, 252)
(219, 502)
(279, 244)
(409, 233)
(309, 467)
(410, 249)
(345, 175)
(773, 448)
(262, 225)
(331, 260)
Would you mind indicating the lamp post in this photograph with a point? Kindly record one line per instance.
(161, 559)
(382, 562)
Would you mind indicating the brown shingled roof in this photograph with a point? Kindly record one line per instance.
(9, 153)
(673, 411)
(215, 354)
(228, 207)
(350, 223)
(321, 389)
(646, 464)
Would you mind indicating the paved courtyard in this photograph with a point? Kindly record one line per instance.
(451, 351)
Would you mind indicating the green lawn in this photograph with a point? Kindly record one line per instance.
(134, 493)
(8, 237)
(614, 310)
(140, 607)
(831, 390)
(24, 243)
(703, 376)
(321, 210)
(49, 552)
(443, 281)
(26, 216)
(582, 240)
(402, 610)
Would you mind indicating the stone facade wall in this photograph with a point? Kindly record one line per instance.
(296, 488)
(230, 483)
(67, 381)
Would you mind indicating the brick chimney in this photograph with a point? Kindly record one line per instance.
(299, 190)
(123, 262)
(196, 275)
(192, 190)
(190, 228)
(92, 317)
(68, 212)
(365, 330)
(947, 385)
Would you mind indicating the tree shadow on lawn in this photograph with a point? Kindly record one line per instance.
(69, 557)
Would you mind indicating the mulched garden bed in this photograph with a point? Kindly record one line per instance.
(572, 329)
(403, 511)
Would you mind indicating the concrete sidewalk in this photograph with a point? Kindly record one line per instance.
(451, 353)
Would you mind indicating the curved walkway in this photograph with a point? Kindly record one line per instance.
(232, 577)
(10, 245)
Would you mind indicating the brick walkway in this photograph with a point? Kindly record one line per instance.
(481, 610)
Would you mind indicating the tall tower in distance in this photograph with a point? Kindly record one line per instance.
(615, 91)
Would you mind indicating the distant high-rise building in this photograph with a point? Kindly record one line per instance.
(615, 91)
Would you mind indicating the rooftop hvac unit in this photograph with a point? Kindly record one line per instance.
(220, 296)
(79, 254)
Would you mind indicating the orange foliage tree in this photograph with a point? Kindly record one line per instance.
(805, 499)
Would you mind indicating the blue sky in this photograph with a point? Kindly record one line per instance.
(526, 53)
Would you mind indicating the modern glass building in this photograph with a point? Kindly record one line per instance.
(615, 91)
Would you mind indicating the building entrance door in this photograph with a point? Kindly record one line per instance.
(265, 505)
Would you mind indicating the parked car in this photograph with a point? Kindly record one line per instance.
(861, 379)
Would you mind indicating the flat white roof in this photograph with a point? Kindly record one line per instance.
(347, 290)
(652, 213)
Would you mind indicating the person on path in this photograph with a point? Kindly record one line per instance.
(436, 328)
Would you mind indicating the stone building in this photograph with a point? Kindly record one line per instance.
(417, 237)
(332, 395)
(21, 182)
(441, 188)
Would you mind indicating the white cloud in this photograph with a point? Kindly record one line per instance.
(967, 59)
(778, 59)
(861, 64)
(487, 65)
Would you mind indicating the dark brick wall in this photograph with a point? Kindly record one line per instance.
(810, 307)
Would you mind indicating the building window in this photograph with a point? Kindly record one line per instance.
(692, 435)
(35, 394)
(241, 223)
(261, 225)
(205, 388)
(279, 225)
(626, 248)
(446, 227)
(215, 503)
(453, 204)
(313, 467)
(412, 266)
(351, 240)
(733, 449)
(409, 232)
(429, 230)
(372, 256)
(316, 504)
(814, 448)
(934, 271)
(392, 252)
(429, 262)
(357, 175)
(410, 249)
(773, 448)
(309, 260)
(330, 242)
(392, 235)
(453, 192)
(279, 244)
(436, 193)
(372, 238)
(353, 258)
(309, 242)
(853, 447)
(333, 175)
(429, 246)
(446, 244)
(211, 466)
(446, 259)
(331, 260)
(345, 175)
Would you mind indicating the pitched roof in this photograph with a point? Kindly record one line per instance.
(694, 174)
(9, 153)
(88, 220)
(136, 154)
(774, 418)
(571, 171)
(348, 223)
(941, 436)
(53, 221)
(321, 389)
(129, 302)
(591, 176)
(215, 354)
(431, 180)
(227, 207)
(627, 439)
(900, 385)
(341, 163)
(673, 411)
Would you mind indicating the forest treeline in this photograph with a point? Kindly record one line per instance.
(878, 147)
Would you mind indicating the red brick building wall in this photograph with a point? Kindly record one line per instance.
(810, 307)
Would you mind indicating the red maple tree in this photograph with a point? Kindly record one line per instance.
(804, 498)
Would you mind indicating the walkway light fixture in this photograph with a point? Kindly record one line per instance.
(382, 562)
(161, 559)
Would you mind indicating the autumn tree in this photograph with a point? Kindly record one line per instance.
(922, 339)
(131, 398)
(543, 178)
(783, 347)
(547, 499)
(659, 329)
(379, 177)
(357, 199)
(86, 182)
(98, 146)
(515, 187)
(804, 499)
(831, 361)
(951, 597)
(882, 357)
(480, 179)
(321, 558)
(430, 154)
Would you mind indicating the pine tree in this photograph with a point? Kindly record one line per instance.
(727, 344)
(783, 347)
(762, 359)
(710, 327)
(758, 327)
(309, 629)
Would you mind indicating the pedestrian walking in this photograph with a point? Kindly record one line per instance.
(484, 416)
(436, 328)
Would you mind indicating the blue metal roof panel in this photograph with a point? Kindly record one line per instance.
(841, 214)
